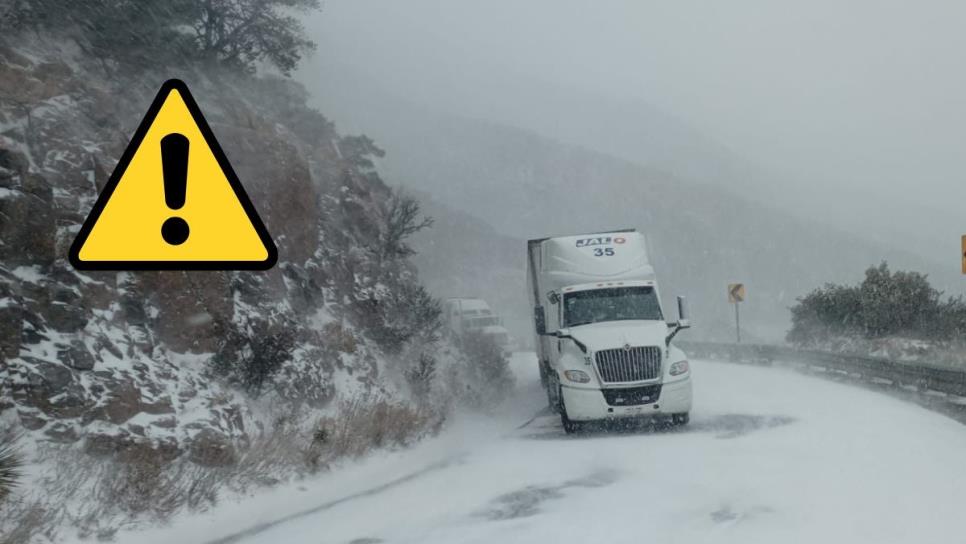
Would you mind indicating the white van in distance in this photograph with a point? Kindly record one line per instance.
(604, 348)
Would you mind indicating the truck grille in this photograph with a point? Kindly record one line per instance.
(629, 365)
(632, 396)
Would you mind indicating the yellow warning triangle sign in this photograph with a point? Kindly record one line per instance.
(173, 201)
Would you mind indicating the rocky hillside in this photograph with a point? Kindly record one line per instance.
(195, 366)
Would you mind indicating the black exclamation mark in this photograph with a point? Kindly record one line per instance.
(174, 165)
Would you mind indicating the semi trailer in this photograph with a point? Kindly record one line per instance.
(603, 344)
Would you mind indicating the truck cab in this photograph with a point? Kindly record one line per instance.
(604, 345)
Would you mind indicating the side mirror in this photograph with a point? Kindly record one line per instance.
(684, 321)
(540, 320)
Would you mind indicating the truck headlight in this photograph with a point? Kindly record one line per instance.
(679, 368)
(577, 376)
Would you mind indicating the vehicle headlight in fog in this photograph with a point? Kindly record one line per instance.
(679, 368)
(578, 376)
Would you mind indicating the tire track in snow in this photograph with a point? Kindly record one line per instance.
(262, 527)
(543, 412)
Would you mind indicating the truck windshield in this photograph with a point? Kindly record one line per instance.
(611, 304)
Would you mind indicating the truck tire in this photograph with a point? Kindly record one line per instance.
(569, 426)
(543, 373)
(680, 420)
(553, 401)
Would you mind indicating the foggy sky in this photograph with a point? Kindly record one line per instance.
(851, 111)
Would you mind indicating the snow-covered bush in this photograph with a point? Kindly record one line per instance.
(250, 355)
(420, 374)
(364, 423)
(885, 304)
(485, 373)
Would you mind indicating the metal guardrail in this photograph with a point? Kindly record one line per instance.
(922, 376)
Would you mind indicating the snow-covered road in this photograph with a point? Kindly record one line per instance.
(770, 456)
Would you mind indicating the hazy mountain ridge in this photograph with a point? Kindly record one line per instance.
(463, 256)
(526, 185)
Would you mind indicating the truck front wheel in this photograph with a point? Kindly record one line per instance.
(680, 420)
(554, 393)
(570, 426)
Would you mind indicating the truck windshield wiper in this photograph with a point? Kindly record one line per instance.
(578, 343)
(579, 323)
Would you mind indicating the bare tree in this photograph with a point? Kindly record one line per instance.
(402, 221)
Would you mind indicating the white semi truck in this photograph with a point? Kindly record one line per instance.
(604, 348)
(474, 316)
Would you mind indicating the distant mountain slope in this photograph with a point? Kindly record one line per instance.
(525, 185)
(462, 256)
